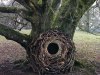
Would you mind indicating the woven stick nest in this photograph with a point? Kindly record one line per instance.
(52, 52)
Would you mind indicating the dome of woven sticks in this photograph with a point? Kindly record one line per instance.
(52, 52)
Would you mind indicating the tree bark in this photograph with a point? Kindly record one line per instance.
(12, 10)
(70, 14)
(11, 34)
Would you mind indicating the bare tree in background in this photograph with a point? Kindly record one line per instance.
(90, 22)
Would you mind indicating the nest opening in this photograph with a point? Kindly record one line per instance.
(53, 48)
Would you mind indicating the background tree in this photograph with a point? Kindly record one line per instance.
(90, 20)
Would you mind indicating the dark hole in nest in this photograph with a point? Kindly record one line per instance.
(53, 48)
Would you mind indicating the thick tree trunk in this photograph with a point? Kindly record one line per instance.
(70, 14)
(52, 52)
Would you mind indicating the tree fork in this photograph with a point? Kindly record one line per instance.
(52, 52)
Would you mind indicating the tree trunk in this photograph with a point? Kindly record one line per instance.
(87, 27)
(52, 52)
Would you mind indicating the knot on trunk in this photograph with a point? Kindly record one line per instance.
(52, 52)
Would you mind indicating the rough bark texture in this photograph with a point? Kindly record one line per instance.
(52, 52)
(70, 14)
(11, 34)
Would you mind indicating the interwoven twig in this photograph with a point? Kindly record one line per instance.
(44, 62)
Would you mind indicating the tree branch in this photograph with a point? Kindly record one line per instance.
(24, 3)
(29, 4)
(12, 10)
(25, 14)
(11, 34)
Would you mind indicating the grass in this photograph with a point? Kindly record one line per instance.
(87, 45)
(2, 38)
(25, 31)
(81, 36)
(87, 50)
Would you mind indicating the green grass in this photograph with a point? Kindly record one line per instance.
(78, 37)
(81, 36)
(87, 50)
(2, 38)
(25, 31)
(87, 46)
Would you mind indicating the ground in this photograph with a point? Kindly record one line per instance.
(88, 49)
(87, 52)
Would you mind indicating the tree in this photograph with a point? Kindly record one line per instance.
(87, 22)
(44, 15)
(90, 20)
